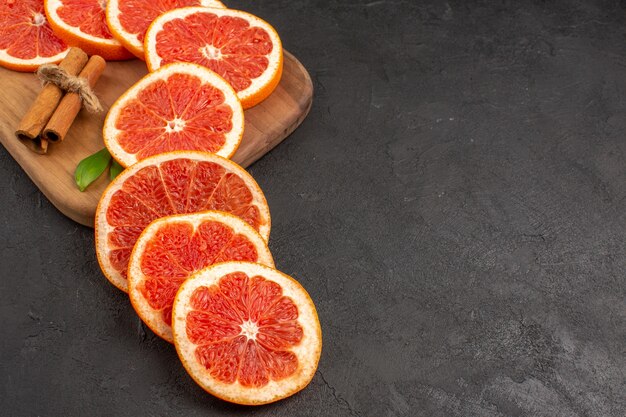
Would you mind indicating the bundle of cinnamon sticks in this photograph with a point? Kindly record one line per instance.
(50, 116)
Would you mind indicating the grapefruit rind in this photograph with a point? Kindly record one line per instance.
(233, 138)
(109, 49)
(136, 277)
(130, 40)
(102, 228)
(308, 350)
(261, 87)
(28, 65)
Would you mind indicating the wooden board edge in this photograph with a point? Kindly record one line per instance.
(291, 128)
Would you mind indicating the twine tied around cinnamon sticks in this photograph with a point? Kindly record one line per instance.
(67, 87)
(50, 73)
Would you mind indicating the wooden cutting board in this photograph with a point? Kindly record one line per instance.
(267, 124)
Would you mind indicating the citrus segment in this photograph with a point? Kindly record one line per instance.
(246, 333)
(167, 184)
(181, 106)
(82, 23)
(172, 248)
(129, 19)
(240, 47)
(26, 39)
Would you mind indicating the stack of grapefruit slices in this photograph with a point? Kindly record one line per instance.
(183, 229)
(185, 234)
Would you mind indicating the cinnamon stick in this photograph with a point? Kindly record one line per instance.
(33, 122)
(70, 105)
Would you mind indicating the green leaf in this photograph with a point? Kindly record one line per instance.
(90, 168)
(115, 169)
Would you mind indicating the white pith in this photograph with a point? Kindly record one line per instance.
(131, 40)
(154, 61)
(39, 60)
(51, 10)
(102, 227)
(249, 329)
(39, 19)
(136, 276)
(211, 52)
(308, 350)
(233, 137)
(175, 125)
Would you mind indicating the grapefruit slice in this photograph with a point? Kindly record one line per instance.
(129, 19)
(26, 39)
(166, 184)
(240, 47)
(181, 106)
(172, 248)
(246, 333)
(82, 23)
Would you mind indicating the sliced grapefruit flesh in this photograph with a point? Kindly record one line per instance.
(82, 23)
(26, 38)
(181, 106)
(245, 50)
(172, 248)
(129, 19)
(246, 333)
(167, 184)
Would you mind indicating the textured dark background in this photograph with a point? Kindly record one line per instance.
(455, 204)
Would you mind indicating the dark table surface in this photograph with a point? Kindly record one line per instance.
(455, 204)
